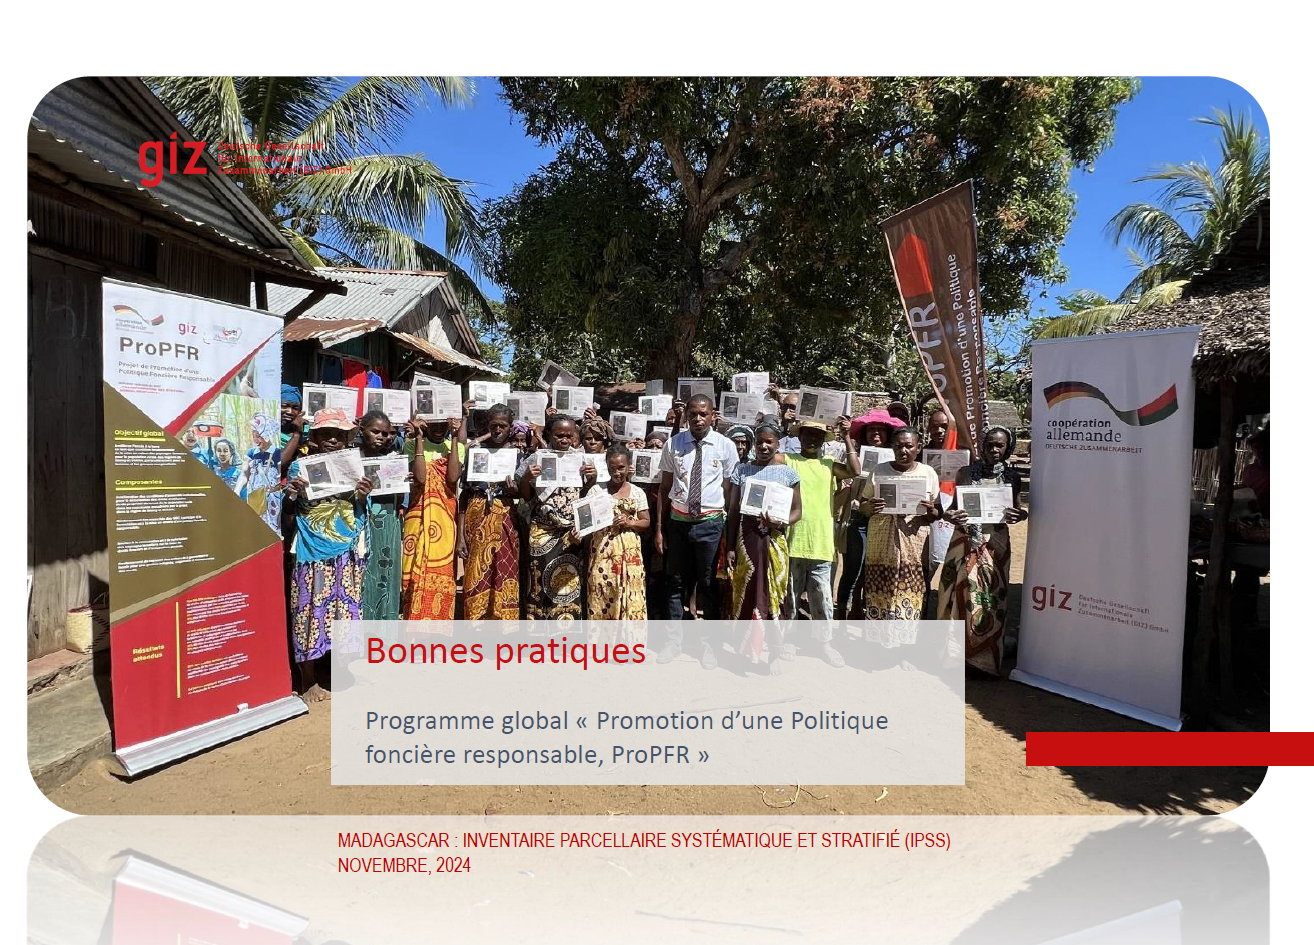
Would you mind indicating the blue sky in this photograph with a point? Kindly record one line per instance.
(485, 144)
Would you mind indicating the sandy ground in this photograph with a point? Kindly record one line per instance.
(285, 770)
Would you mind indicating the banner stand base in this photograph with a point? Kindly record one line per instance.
(1095, 699)
(144, 756)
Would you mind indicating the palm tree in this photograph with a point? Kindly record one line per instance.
(370, 216)
(1165, 253)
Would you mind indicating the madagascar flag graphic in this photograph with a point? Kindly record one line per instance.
(1163, 406)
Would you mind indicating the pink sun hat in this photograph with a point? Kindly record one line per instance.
(874, 416)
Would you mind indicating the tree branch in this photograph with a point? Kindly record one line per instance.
(733, 256)
(730, 191)
(725, 152)
(683, 170)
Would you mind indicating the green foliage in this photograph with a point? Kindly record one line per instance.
(720, 224)
(369, 217)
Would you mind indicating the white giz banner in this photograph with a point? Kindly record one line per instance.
(1104, 601)
(169, 354)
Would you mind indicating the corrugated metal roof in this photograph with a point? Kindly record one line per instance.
(111, 117)
(67, 158)
(331, 331)
(389, 295)
(440, 352)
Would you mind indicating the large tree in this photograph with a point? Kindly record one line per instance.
(370, 217)
(708, 223)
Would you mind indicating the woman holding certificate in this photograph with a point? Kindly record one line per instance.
(556, 567)
(759, 559)
(429, 528)
(899, 499)
(331, 549)
(974, 582)
(487, 539)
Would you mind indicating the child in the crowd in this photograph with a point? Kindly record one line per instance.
(429, 527)
(556, 571)
(331, 549)
(381, 598)
(487, 538)
(759, 553)
(617, 589)
(812, 537)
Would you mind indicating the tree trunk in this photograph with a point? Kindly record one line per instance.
(676, 359)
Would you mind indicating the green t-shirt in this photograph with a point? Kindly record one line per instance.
(813, 535)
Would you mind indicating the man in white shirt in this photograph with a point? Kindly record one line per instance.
(696, 464)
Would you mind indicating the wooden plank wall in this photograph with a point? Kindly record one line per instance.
(67, 549)
(66, 468)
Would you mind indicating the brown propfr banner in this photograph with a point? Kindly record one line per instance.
(933, 250)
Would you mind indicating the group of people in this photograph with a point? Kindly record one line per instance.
(676, 549)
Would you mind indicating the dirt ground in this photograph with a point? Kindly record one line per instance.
(285, 770)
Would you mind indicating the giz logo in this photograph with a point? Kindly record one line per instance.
(185, 329)
(1043, 598)
(155, 169)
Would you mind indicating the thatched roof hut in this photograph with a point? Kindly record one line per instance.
(1230, 303)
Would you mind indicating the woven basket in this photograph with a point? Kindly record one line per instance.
(86, 629)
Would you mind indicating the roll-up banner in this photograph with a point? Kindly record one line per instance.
(1104, 601)
(198, 633)
(933, 251)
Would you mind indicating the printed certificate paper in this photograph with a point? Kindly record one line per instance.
(485, 394)
(770, 497)
(436, 403)
(485, 465)
(395, 404)
(528, 406)
(559, 469)
(629, 426)
(946, 463)
(554, 375)
(645, 465)
(573, 401)
(388, 473)
(750, 382)
(818, 403)
(593, 512)
(984, 505)
(655, 405)
(332, 473)
(743, 407)
(319, 397)
(687, 387)
(903, 495)
(873, 456)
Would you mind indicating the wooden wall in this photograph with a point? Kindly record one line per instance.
(73, 248)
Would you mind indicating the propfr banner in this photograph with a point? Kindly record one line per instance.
(198, 638)
(933, 251)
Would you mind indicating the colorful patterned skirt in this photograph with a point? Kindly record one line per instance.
(894, 575)
(618, 588)
(324, 591)
(382, 590)
(974, 589)
(758, 585)
(556, 579)
(492, 562)
(428, 582)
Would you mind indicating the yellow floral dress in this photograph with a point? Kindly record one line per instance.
(617, 583)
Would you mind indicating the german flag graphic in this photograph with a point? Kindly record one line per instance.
(129, 310)
(1162, 407)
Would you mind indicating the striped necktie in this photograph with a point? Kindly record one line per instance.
(696, 481)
